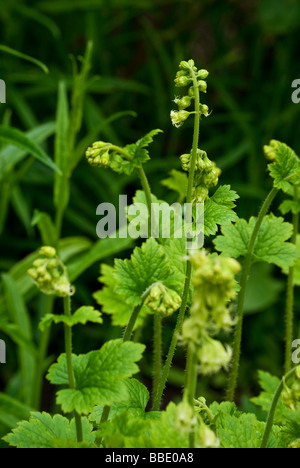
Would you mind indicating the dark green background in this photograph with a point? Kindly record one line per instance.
(251, 49)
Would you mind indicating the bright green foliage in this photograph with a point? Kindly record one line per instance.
(218, 209)
(285, 170)
(81, 316)
(98, 376)
(148, 265)
(270, 246)
(163, 300)
(290, 206)
(122, 160)
(171, 430)
(240, 430)
(113, 303)
(136, 397)
(45, 431)
(126, 283)
(178, 182)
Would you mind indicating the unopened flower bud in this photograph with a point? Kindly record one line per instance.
(163, 300)
(204, 110)
(183, 103)
(202, 74)
(202, 86)
(185, 65)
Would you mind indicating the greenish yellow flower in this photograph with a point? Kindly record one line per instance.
(206, 438)
(178, 117)
(163, 300)
(213, 356)
(50, 274)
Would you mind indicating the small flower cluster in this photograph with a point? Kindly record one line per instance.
(270, 150)
(102, 155)
(163, 300)
(291, 395)
(206, 174)
(214, 288)
(50, 274)
(186, 77)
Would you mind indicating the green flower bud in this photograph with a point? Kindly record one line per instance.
(163, 300)
(204, 110)
(183, 103)
(181, 73)
(202, 74)
(213, 356)
(50, 274)
(179, 117)
(185, 65)
(186, 419)
(98, 154)
(288, 398)
(185, 162)
(296, 390)
(202, 86)
(48, 252)
(182, 81)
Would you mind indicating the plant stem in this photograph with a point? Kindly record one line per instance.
(68, 348)
(241, 298)
(157, 352)
(270, 419)
(290, 297)
(190, 385)
(146, 188)
(42, 352)
(131, 323)
(188, 275)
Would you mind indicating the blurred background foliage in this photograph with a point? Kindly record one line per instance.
(251, 49)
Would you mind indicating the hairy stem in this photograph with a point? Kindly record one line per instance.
(157, 352)
(180, 319)
(190, 384)
(290, 298)
(241, 297)
(131, 323)
(271, 415)
(68, 347)
(188, 276)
